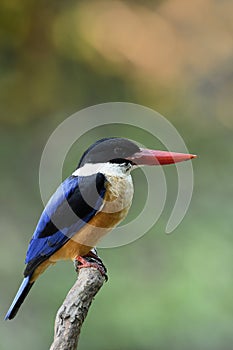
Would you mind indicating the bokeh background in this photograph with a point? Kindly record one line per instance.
(175, 56)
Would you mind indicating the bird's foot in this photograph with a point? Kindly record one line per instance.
(91, 260)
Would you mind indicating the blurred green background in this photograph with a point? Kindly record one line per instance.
(175, 56)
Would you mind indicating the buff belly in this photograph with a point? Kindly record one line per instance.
(116, 205)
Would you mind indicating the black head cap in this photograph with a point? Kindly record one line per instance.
(114, 150)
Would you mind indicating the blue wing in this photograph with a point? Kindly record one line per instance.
(65, 214)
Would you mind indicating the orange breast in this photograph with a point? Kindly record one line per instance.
(83, 241)
(86, 238)
(116, 205)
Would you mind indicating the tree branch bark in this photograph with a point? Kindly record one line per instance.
(72, 313)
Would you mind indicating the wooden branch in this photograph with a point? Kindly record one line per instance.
(74, 309)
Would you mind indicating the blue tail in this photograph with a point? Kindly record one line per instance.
(19, 298)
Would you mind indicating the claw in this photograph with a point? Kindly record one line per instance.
(91, 260)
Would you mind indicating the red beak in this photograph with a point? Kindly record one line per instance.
(151, 157)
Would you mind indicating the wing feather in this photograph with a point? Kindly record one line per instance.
(65, 214)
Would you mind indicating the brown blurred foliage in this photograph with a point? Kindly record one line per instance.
(50, 51)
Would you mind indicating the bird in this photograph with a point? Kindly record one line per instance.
(86, 206)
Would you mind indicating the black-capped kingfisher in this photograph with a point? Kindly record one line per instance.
(86, 206)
